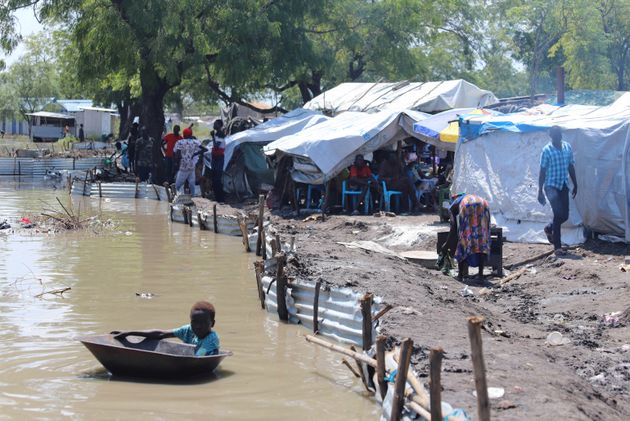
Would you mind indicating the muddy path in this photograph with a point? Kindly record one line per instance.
(588, 377)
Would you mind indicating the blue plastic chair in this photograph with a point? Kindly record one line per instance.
(387, 197)
(355, 195)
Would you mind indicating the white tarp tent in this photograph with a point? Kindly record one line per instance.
(501, 163)
(284, 125)
(323, 151)
(428, 97)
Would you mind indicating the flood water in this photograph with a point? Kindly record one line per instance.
(46, 373)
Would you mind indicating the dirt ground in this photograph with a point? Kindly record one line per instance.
(586, 378)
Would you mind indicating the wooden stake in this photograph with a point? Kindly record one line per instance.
(401, 379)
(435, 385)
(278, 243)
(100, 190)
(380, 365)
(264, 245)
(274, 248)
(347, 352)
(190, 220)
(202, 222)
(259, 267)
(261, 212)
(214, 219)
(381, 313)
(157, 193)
(474, 332)
(366, 312)
(361, 371)
(318, 286)
(245, 234)
(281, 288)
(292, 249)
(347, 364)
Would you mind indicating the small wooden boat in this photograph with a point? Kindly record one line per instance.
(151, 358)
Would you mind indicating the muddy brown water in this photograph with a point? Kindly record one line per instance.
(46, 373)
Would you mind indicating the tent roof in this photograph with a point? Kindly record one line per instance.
(322, 151)
(429, 97)
(545, 116)
(284, 125)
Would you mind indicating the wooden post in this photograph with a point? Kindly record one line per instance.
(243, 225)
(157, 193)
(202, 222)
(259, 267)
(190, 214)
(479, 367)
(318, 286)
(361, 371)
(215, 222)
(69, 184)
(401, 379)
(281, 288)
(264, 245)
(435, 384)
(185, 214)
(100, 190)
(261, 212)
(278, 243)
(137, 187)
(292, 249)
(366, 312)
(274, 247)
(380, 365)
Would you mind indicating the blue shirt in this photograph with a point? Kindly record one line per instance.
(556, 163)
(206, 346)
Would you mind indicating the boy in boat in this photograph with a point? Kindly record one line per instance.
(199, 332)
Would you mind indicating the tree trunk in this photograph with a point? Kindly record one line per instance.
(154, 89)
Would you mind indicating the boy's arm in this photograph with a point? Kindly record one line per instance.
(151, 334)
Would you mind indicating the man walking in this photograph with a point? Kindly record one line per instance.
(556, 164)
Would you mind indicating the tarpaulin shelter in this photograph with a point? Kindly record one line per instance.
(245, 165)
(498, 158)
(442, 129)
(428, 97)
(323, 151)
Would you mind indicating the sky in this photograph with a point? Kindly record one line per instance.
(27, 25)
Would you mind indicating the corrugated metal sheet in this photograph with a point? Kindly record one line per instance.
(38, 167)
(16, 166)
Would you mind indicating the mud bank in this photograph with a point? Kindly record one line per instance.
(588, 377)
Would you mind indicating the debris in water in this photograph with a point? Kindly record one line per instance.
(612, 319)
(556, 339)
(128, 233)
(4, 225)
(146, 295)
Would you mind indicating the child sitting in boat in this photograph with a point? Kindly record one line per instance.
(199, 332)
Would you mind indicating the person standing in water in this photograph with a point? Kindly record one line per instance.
(556, 165)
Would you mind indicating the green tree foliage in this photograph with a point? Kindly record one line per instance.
(32, 81)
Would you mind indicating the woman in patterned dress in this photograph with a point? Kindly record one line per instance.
(470, 223)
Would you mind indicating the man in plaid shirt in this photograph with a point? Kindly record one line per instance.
(556, 165)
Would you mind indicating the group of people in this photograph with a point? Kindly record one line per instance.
(405, 172)
(176, 156)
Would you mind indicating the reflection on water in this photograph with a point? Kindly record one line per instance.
(45, 372)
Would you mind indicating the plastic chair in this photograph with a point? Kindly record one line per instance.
(355, 195)
(387, 197)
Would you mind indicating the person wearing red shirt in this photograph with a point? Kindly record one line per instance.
(360, 175)
(168, 143)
